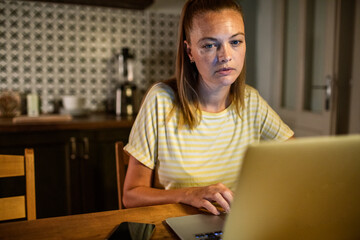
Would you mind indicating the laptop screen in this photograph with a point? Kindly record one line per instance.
(301, 189)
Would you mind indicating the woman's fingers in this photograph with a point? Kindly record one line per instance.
(222, 195)
(218, 197)
(204, 196)
(210, 207)
(228, 196)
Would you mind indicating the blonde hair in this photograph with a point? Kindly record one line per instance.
(186, 74)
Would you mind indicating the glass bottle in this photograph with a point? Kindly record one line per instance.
(126, 90)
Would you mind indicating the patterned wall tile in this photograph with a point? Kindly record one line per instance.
(57, 49)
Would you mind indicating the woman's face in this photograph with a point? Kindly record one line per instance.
(217, 46)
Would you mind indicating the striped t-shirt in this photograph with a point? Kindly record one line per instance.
(210, 153)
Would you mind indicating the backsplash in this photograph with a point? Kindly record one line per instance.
(60, 49)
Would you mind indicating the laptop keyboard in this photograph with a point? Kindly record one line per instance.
(212, 235)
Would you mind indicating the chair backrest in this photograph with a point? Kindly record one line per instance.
(122, 160)
(19, 206)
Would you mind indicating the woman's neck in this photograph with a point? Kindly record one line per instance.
(214, 100)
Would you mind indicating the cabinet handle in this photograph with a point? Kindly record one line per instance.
(73, 148)
(86, 148)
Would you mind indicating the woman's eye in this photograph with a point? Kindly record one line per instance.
(208, 46)
(236, 42)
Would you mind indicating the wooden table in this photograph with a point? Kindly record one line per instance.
(95, 225)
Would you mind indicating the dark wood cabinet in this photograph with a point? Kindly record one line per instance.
(75, 170)
(130, 4)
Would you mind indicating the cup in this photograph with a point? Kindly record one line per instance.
(71, 102)
(32, 105)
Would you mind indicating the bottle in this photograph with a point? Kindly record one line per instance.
(118, 101)
(126, 90)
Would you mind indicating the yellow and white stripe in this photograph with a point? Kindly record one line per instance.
(210, 153)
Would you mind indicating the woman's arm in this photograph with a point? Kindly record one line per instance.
(139, 192)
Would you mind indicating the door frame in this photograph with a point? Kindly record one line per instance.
(354, 124)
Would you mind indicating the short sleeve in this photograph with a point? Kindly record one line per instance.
(143, 137)
(270, 125)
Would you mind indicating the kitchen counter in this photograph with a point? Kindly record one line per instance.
(93, 121)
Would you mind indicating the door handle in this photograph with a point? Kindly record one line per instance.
(328, 91)
(73, 152)
(86, 148)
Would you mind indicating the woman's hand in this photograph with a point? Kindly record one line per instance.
(202, 197)
(139, 192)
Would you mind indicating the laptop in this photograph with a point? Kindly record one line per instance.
(306, 188)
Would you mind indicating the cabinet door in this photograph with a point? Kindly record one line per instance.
(92, 169)
(106, 183)
(50, 168)
(51, 180)
(81, 160)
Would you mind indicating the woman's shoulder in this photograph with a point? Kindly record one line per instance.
(251, 92)
(253, 99)
(160, 90)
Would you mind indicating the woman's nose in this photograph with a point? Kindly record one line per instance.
(224, 55)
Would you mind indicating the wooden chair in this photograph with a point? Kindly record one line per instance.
(122, 160)
(19, 206)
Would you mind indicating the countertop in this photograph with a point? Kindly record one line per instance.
(92, 121)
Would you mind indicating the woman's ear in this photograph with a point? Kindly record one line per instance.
(188, 50)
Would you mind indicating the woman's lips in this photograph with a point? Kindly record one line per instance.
(225, 71)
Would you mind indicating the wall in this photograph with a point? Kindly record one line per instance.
(354, 124)
(57, 49)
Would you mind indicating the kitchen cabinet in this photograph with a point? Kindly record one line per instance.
(75, 169)
(131, 4)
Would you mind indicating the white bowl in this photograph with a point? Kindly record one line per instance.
(71, 102)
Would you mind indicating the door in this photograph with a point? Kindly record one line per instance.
(305, 60)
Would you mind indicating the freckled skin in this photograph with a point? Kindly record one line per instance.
(217, 46)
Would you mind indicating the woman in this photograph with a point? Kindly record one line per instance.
(188, 140)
